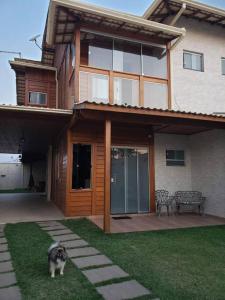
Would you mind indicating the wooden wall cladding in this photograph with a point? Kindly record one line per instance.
(91, 201)
(59, 173)
(42, 81)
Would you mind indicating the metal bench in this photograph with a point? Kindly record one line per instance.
(190, 200)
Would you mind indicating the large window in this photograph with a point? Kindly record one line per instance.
(81, 173)
(154, 61)
(37, 98)
(193, 61)
(175, 158)
(127, 57)
(96, 51)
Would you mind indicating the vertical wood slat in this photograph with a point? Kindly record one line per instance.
(141, 91)
(77, 64)
(152, 174)
(111, 87)
(107, 178)
(169, 77)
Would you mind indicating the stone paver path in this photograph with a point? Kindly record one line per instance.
(8, 288)
(100, 268)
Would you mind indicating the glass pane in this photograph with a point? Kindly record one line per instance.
(223, 66)
(179, 155)
(126, 91)
(143, 180)
(154, 61)
(37, 98)
(118, 181)
(187, 60)
(94, 87)
(196, 62)
(96, 51)
(127, 57)
(155, 95)
(81, 173)
(131, 181)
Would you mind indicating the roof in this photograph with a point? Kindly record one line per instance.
(27, 63)
(159, 10)
(32, 109)
(64, 14)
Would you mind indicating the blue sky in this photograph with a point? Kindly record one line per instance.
(22, 19)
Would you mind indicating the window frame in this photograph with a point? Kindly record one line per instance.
(35, 104)
(222, 59)
(194, 53)
(91, 172)
(176, 160)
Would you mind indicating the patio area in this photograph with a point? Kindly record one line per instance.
(152, 222)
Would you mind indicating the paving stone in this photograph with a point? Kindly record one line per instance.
(65, 237)
(125, 290)
(3, 240)
(104, 274)
(10, 293)
(49, 223)
(60, 232)
(2, 234)
(2, 228)
(75, 244)
(6, 266)
(87, 251)
(7, 279)
(51, 228)
(4, 256)
(91, 261)
(3, 247)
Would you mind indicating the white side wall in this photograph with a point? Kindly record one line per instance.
(199, 91)
(172, 178)
(208, 169)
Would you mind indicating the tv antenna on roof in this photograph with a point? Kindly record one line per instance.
(34, 39)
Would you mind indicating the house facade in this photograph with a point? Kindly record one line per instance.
(140, 100)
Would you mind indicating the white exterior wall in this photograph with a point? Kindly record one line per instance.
(208, 169)
(172, 178)
(199, 91)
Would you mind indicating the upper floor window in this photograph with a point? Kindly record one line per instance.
(193, 61)
(37, 98)
(223, 65)
(120, 55)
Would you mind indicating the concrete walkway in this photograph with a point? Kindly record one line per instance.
(27, 207)
(8, 288)
(96, 267)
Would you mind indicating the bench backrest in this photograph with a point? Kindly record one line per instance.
(188, 196)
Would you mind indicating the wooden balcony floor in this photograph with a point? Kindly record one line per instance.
(153, 222)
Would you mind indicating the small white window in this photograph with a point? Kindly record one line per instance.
(175, 158)
(193, 61)
(37, 98)
(223, 65)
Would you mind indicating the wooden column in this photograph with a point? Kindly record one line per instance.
(107, 179)
(152, 173)
(77, 64)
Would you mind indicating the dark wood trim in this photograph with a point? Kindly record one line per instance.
(77, 64)
(152, 173)
(107, 178)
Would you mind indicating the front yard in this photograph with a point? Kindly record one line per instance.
(175, 264)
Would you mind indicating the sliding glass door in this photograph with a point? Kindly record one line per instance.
(129, 180)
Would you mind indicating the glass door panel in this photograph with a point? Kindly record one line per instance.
(118, 181)
(131, 181)
(143, 180)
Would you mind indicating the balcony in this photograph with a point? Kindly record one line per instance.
(102, 86)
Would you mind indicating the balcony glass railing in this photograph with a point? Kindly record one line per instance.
(103, 86)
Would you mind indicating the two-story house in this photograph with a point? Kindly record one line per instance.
(125, 105)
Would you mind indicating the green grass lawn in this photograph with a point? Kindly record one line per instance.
(175, 264)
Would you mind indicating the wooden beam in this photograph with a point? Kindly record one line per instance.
(107, 178)
(169, 76)
(77, 64)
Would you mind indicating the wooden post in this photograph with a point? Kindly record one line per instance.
(152, 173)
(107, 179)
(49, 174)
(169, 77)
(77, 64)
